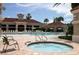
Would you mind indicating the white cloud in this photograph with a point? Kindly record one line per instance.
(50, 21)
(68, 20)
(63, 8)
(26, 4)
(32, 6)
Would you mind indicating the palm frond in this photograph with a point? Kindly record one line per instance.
(56, 4)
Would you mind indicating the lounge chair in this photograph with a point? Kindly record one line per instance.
(9, 41)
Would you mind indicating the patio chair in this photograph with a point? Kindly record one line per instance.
(9, 41)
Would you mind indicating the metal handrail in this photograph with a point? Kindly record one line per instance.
(41, 37)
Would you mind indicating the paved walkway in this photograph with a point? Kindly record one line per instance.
(24, 50)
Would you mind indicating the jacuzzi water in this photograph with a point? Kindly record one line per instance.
(50, 47)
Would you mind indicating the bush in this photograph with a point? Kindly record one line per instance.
(65, 37)
(70, 29)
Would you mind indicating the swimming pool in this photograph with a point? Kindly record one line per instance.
(49, 47)
(34, 33)
(46, 33)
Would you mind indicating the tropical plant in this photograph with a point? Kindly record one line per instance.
(58, 19)
(46, 20)
(1, 9)
(28, 17)
(56, 4)
(20, 16)
(70, 29)
(55, 19)
(72, 4)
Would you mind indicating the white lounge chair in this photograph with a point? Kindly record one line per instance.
(9, 41)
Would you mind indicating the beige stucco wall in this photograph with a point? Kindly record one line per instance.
(76, 29)
(75, 25)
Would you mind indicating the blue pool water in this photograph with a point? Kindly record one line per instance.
(46, 33)
(34, 33)
(50, 47)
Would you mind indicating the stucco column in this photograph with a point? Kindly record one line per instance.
(7, 28)
(75, 25)
(16, 27)
(33, 28)
(25, 28)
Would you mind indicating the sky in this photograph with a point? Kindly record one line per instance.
(39, 11)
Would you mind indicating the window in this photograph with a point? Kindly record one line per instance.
(29, 27)
(3, 27)
(11, 27)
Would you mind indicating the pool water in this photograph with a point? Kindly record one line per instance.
(50, 47)
(46, 33)
(35, 33)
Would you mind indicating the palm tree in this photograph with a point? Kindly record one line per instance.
(58, 19)
(20, 16)
(56, 4)
(28, 17)
(1, 9)
(72, 4)
(46, 20)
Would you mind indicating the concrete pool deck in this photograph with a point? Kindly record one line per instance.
(24, 50)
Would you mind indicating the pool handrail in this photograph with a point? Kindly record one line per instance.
(41, 37)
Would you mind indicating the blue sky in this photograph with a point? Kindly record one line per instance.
(39, 11)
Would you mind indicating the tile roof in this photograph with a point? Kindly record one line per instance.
(54, 24)
(16, 20)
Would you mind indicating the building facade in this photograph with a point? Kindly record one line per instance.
(75, 12)
(56, 26)
(18, 25)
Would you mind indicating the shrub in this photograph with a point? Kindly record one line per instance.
(65, 37)
(70, 29)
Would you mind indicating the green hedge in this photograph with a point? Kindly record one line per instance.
(65, 37)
